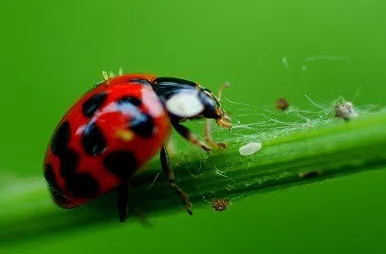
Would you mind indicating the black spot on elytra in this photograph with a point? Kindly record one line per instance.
(82, 185)
(129, 100)
(49, 175)
(142, 125)
(68, 162)
(121, 163)
(93, 140)
(92, 104)
(61, 138)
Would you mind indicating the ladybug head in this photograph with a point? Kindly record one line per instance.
(185, 99)
(212, 107)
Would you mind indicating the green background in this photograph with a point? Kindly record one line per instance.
(53, 51)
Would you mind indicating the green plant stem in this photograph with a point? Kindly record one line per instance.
(336, 149)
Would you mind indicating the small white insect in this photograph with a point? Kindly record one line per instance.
(346, 111)
(185, 104)
(250, 149)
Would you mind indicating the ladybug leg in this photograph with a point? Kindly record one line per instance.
(123, 201)
(165, 162)
(208, 137)
(185, 132)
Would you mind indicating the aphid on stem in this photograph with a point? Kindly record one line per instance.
(220, 204)
(282, 104)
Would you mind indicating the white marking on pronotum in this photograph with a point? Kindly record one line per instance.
(250, 149)
(185, 104)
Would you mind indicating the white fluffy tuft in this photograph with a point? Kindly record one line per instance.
(250, 149)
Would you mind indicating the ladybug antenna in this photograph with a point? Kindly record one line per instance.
(220, 91)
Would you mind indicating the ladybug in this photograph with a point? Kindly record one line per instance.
(118, 126)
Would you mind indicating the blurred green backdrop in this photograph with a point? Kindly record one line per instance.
(53, 51)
